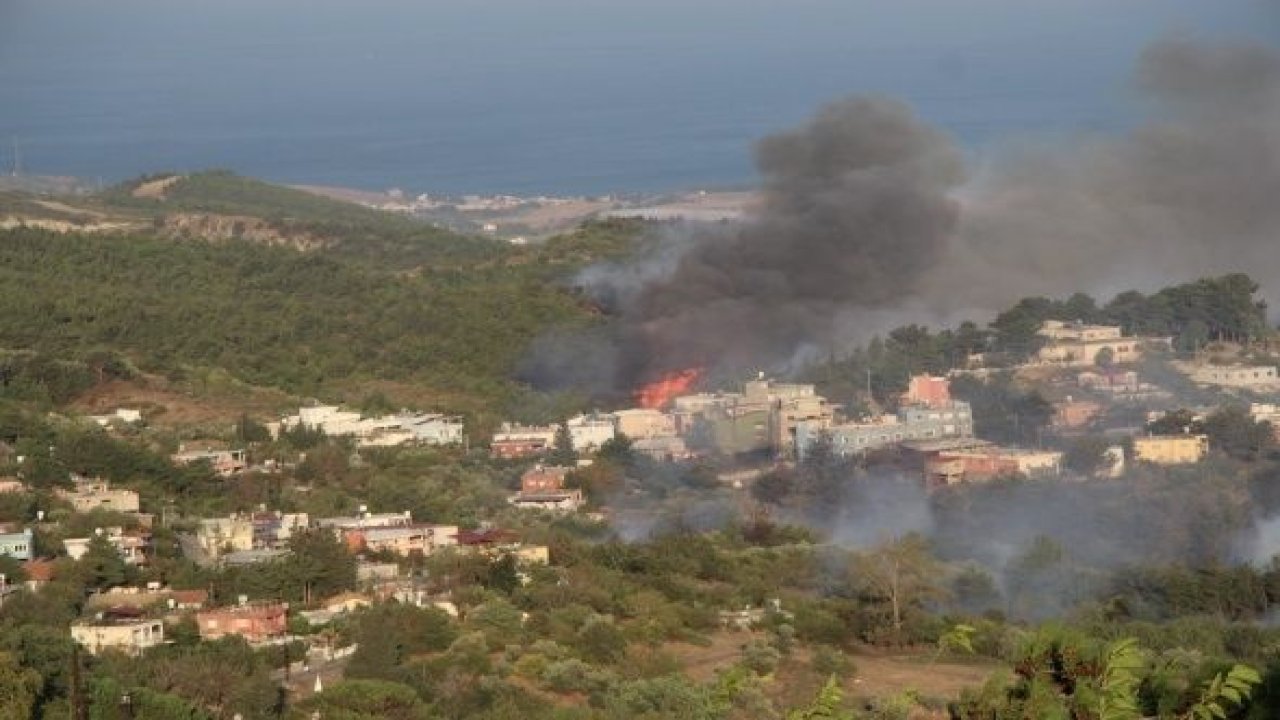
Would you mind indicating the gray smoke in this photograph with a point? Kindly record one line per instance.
(1190, 193)
(867, 221)
(856, 208)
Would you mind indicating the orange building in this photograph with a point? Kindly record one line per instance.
(929, 391)
(540, 479)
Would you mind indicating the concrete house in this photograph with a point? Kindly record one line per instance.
(255, 622)
(130, 636)
(1170, 449)
(15, 543)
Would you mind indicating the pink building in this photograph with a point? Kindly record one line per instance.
(254, 622)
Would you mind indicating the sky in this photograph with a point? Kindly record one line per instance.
(563, 95)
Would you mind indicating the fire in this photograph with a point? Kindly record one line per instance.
(660, 391)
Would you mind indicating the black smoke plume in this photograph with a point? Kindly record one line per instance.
(868, 220)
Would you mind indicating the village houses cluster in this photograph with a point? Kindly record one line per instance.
(770, 421)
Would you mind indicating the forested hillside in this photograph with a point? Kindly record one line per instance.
(352, 231)
(305, 322)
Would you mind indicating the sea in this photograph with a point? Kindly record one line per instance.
(555, 97)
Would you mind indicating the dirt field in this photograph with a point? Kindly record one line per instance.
(166, 406)
(878, 673)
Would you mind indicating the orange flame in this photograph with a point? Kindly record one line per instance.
(660, 392)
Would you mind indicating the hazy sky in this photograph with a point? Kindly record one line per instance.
(582, 94)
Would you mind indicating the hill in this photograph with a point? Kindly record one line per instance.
(221, 205)
(276, 287)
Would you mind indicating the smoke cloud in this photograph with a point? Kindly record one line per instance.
(868, 220)
(1187, 194)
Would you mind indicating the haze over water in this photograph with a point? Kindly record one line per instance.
(555, 96)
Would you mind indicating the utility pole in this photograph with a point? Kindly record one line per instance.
(17, 159)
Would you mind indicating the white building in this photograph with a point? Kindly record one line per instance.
(589, 432)
(1247, 377)
(128, 636)
(390, 430)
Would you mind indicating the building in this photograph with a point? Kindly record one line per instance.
(639, 423)
(1075, 344)
(402, 428)
(97, 494)
(223, 462)
(589, 432)
(520, 441)
(928, 391)
(948, 419)
(982, 464)
(1170, 449)
(1261, 378)
(402, 540)
(124, 416)
(274, 529)
(219, 536)
(12, 485)
(366, 519)
(17, 544)
(543, 478)
(762, 418)
(255, 622)
(131, 636)
(661, 448)
(39, 573)
(134, 546)
(543, 488)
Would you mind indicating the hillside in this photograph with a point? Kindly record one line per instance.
(278, 288)
(221, 205)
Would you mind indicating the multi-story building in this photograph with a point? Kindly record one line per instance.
(134, 546)
(542, 488)
(638, 423)
(418, 539)
(87, 495)
(589, 432)
(128, 635)
(762, 418)
(977, 465)
(1075, 344)
(1260, 378)
(935, 417)
(274, 529)
(1170, 449)
(15, 543)
(220, 536)
(518, 441)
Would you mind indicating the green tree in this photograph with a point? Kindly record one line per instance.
(19, 688)
(101, 566)
(562, 452)
(319, 565)
(364, 700)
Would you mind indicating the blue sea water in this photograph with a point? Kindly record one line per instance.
(549, 96)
